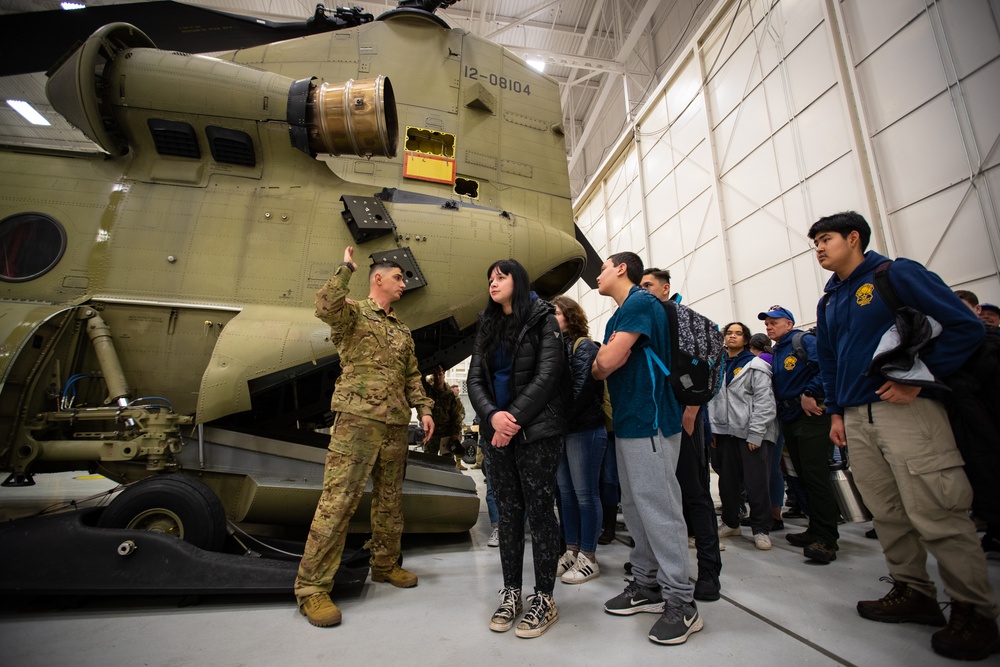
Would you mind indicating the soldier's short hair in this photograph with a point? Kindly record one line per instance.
(383, 266)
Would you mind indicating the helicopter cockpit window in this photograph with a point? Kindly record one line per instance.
(173, 137)
(30, 245)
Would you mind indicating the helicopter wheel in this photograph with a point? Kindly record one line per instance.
(176, 505)
(471, 447)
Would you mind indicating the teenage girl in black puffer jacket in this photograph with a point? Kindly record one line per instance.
(516, 385)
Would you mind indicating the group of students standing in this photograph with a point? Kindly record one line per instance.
(539, 396)
(818, 390)
(531, 403)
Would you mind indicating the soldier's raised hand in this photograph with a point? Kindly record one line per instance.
(349, 257)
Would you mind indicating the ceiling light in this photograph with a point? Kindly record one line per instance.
(536, 64)
(28, 112)
(72, 5)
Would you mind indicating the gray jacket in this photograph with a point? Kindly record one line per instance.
(745, 408)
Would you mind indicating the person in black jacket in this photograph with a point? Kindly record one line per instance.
(579, 471)
(515, 385)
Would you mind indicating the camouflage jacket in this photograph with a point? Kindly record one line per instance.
(448, 414)
(379, 377)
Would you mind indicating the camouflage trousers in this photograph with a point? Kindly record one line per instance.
(359, 448)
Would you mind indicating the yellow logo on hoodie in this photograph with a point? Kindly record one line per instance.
(790, 362)
(865, 294)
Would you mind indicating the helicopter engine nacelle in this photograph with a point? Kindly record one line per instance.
(118, 71)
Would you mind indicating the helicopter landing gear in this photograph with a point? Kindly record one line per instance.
(177, 505)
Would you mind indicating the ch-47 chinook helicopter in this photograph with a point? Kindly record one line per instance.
(156, 297)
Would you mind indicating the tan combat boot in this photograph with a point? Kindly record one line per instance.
(320, 610)
(397, 576)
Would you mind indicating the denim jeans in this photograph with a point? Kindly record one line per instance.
(579, 477)
(610, 493)
(491, 503)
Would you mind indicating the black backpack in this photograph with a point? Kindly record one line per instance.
(697, 354)
(973, 405)
(799, 349)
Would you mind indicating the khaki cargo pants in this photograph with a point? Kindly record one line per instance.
(911, 477)
(359, 448)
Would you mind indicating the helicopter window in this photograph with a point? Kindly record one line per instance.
(467, 187)
(174, 138)
(430, 142)
(231, 146)
(30, 245)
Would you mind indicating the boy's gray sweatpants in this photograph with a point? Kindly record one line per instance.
(651, 502)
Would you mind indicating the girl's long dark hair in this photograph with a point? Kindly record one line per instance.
(495, 328)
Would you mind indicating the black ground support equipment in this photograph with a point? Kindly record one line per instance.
(68, 553)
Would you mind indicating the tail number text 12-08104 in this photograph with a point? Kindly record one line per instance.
(501, 82)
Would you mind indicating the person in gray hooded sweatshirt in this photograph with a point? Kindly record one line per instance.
(744, 423)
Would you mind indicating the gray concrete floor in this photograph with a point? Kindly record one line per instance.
(777, 609)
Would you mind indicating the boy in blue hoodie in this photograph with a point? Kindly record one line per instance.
(903, 453)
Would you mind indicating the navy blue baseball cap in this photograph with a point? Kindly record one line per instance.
(776, 312)
(990, 307)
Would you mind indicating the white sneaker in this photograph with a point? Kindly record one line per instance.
(494, 540)
(583, 570)
(726, 531)
(566, 561)
(762, 541)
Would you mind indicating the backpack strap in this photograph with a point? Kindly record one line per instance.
(885, 288)
(650, 358)
(577, 342)
(799, 349)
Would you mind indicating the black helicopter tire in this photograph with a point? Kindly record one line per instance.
(471, 447)
(177, 505)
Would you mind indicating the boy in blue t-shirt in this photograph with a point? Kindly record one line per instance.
(648, 444)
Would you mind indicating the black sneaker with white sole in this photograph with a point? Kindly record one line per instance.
(634, 599)
(679, 620)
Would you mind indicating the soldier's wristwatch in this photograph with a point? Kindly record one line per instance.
(348, 265)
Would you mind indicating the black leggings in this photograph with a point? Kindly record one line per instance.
(523, 477)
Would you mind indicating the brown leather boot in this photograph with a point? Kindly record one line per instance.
(968, 636)
(320, 610)
(902, 605)
(397, 576)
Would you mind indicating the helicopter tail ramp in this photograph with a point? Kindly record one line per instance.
(269, 481)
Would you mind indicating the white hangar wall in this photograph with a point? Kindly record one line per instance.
(780, 112)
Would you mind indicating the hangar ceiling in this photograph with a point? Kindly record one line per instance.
(588, 46)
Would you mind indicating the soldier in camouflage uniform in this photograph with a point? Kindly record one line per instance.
(449, 417)
(378, 385)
